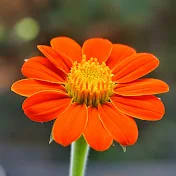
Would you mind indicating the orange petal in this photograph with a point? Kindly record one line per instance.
(27, 87)
(46, 105)
(60, 60)
(146, 107)
(41, 68)
(95, 133)
(70, 125)
(146, 86)
(134, 67)
(67, 46)
(121, 127)
(119, 53)
(97, 48)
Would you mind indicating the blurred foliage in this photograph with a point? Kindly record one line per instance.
(26, 29)
(147, 25)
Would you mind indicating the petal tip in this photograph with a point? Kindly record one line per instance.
(40, 47)
(167, 87)
(13, 87)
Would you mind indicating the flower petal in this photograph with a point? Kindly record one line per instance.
(60, 60)
(119, 53)
(46, 105)
(95, 134)
(41, 68)
(27, 87)
(121, 127)
(70, 125)
(134, 67)
(145, 86)
(67, 46)
(146, 107)
(97, 48)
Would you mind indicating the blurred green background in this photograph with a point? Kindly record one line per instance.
(146, 25)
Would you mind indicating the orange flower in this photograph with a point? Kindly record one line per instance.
(94, 91)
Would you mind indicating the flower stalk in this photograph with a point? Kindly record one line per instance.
(79, 155)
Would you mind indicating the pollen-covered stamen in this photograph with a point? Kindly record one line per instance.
(90, 82)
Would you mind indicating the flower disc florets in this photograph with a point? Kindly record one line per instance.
(90, 82)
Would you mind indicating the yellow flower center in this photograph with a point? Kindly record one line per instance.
(90, 82)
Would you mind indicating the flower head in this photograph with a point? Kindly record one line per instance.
(95, 91)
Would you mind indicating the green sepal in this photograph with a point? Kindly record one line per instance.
(123, 147)
(51, 138)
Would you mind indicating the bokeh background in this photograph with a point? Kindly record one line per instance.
(146, 25)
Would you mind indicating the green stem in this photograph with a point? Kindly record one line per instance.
(79, 154)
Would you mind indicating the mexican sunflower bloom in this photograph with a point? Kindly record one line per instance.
(95, 91)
